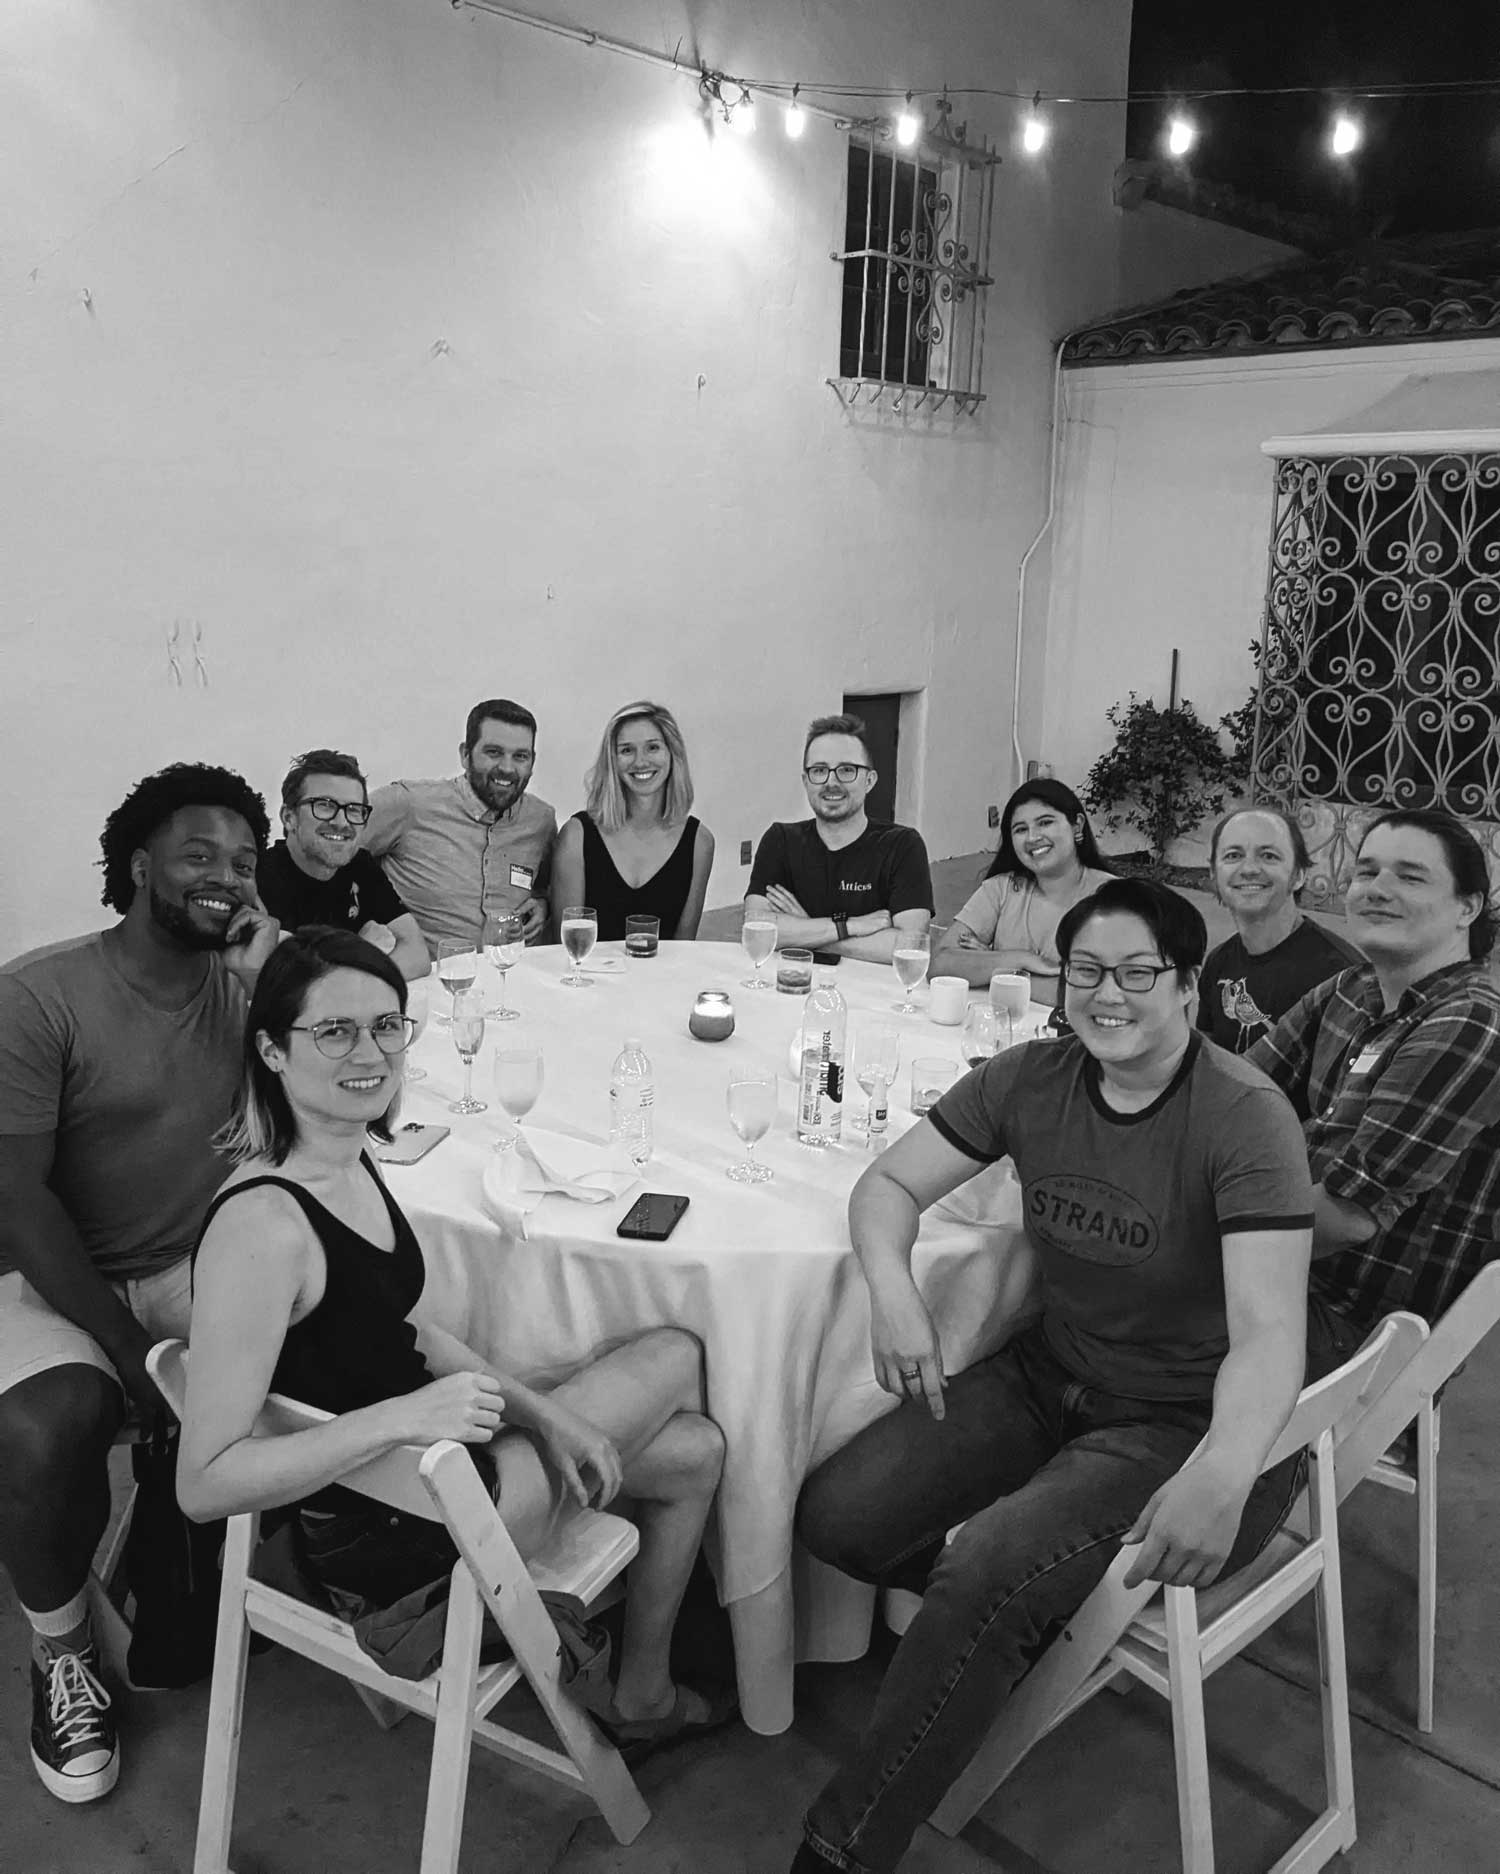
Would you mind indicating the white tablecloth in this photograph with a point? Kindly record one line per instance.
(763, 1274)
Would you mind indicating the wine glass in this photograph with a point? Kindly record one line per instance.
(910, 960)
(877, 1055)
(458, 965)
(504, 937)
(751, 1099)
(580, 932)
(985, 1032)
(468, 1037)
(758, 936)
(417, 1008)
(518, 1084)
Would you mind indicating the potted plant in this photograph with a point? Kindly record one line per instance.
(1165, 775)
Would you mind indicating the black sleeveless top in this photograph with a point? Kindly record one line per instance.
(662, 896)
(357, 1346)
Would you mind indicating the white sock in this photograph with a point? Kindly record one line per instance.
(61, 1621)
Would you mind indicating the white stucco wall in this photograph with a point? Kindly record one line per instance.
(1163, 523)
(415, 356)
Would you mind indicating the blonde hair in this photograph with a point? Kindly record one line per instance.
(604, 796)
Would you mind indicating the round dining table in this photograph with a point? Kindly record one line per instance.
(763, 1274)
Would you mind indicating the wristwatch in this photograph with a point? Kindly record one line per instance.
(841, 928)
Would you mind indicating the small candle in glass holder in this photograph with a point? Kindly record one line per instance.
(712, 1018)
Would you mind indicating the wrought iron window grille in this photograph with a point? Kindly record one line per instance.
(1380, 661)
(915, 260)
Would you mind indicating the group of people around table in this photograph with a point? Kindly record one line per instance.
(1221, 1204)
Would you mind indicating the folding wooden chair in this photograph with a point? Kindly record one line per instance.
(1378, 1452)
(1173, 1648)
(441, 1485)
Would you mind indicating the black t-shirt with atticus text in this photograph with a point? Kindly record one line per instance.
(885, 869)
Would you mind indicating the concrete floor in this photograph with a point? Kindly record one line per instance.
(322, 1791)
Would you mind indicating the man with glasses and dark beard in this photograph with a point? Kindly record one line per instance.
(119, 1059)
(837, 882)
(320, 874)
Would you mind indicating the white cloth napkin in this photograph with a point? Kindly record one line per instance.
(540, 1164)
(597, 964)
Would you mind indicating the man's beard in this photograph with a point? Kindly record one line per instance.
(495, 794)
(177, 921)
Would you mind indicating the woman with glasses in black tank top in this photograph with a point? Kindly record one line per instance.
(304, 1281)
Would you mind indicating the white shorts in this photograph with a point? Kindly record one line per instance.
(34, 1336)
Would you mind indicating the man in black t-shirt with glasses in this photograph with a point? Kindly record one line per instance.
(320, 874)
(835, 882)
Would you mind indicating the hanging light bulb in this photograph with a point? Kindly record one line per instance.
(1182, 134)
(1346, 135)
(796, 117)
(1034, 128)
(743, 112)
(908, 125)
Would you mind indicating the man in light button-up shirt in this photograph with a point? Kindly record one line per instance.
(475, 843)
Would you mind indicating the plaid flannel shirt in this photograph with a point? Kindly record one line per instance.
(1401, 1112)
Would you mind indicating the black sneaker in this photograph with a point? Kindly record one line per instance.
(73, 1741)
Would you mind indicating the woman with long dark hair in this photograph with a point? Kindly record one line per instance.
(305, 1279)
(1046, 861)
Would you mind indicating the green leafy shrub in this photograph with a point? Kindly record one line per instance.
(1165, 775)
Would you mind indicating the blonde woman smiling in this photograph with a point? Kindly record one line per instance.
(636, 849)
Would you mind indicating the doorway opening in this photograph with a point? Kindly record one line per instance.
(893, 724)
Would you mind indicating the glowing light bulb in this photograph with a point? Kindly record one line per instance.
(1346, 136)
(1182, 134)
(743, 115)
(908, 126)
(1034, 133)
(796, 117)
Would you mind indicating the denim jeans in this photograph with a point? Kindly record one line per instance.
(1046, 1475)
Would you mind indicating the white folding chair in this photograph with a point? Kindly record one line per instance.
(1174, 1647)
(441, 1485)
(1374, 1453)
(111, 1628)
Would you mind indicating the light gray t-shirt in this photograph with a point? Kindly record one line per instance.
(133, 1093)
(1128, 1211)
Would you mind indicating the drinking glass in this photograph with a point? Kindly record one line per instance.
(417, 1009)
(642, 935)
(468, 1037)
(751, 1099)
(1010, 994)
(580, 932)
(758, 935)
(794, 969)
(518, 1084)
(912, 955)
(458, 965)
(877, 1055)
(985, 1032)
(930, 1080)
(504, 937)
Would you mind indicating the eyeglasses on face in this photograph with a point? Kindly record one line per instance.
(845, 771)
(322, 807)
(336, 1037)
(1137, 979)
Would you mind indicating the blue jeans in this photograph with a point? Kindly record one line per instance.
(1046, 1475)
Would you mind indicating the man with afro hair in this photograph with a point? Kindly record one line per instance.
(119, 1055)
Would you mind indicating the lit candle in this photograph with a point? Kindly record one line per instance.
(712, 1018)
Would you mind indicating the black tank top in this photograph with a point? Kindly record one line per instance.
(356, 1347)
(662, 896)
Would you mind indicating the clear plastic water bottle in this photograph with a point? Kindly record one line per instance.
(632, 1102)
(820, 1090)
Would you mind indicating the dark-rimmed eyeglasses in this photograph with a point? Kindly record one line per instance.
(322, 807)
(1136, 979)
(337, 1036)
(844, 771)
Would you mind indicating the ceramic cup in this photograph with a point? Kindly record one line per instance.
(947, 998)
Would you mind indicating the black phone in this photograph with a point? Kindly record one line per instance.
(827, 959)
(652, 1217)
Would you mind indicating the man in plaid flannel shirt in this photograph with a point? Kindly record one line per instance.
(1394, 1069)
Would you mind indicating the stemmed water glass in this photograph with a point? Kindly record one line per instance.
(468, 1037)
(580, 932)
(458, 965)
(985, 1032)
(518, 1084)
(751, 1099)
(912, 955)
(758, 936)
(417, 1009)
(877, 1055)
(504, 936)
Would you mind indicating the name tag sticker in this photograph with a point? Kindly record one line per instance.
(1365, 1063)
(523, 877)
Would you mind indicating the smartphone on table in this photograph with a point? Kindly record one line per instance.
(409, 1143)
(652, 1217)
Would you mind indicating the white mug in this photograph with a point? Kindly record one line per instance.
(948, 997)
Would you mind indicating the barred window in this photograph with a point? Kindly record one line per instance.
(915, 262)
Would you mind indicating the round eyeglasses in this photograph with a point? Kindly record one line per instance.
(845, 771)
(323, 807)
(1137, 979)
(337, 1036)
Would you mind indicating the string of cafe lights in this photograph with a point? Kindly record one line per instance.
(899, 114)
